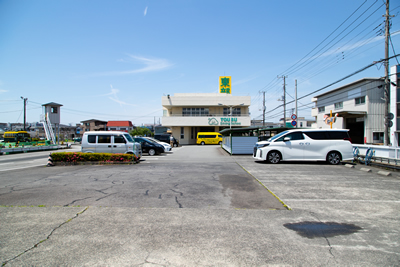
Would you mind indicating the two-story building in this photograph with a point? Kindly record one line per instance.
(186, 114)
(358, 106)
(124, 126)
(93, 125)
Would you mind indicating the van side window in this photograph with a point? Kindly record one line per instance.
(119, 139)
(320, 135)
(338, 135)
(104, 139)
(91, 139)
(292, 136)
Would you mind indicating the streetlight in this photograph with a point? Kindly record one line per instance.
(230, 112)
(25, 99)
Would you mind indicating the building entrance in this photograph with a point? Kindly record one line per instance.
(356, 130)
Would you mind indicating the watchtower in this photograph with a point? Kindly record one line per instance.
(51, 117)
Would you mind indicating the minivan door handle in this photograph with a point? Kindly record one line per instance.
(109, 146)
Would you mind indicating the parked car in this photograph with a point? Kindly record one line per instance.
(110, 142)
(150, 147)
(167, 147)
(332, 146)
(167, 139)
(208, 138)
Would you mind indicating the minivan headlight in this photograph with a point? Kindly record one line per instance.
(261, 145)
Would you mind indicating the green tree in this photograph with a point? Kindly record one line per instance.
(141, 131)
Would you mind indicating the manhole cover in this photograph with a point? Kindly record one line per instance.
(322, 229)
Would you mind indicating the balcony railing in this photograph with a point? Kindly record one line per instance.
(208, 115)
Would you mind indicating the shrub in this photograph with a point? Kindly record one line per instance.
(75, 157)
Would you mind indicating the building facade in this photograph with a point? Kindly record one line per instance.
(187, 114)
(124, 126)
(93, 125)
(395, 105)
(357, 106)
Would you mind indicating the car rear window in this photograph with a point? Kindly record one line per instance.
(328, 135)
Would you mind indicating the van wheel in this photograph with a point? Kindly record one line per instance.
(333, 158)
(220, 143)
(202, 143)
(175, 145)
(274, 157)
(152, 152)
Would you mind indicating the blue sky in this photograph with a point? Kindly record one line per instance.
(114, 60)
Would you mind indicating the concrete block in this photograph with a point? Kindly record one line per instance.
(384, 173)
(365, 169)
(349, 166)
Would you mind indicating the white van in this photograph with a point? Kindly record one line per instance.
(328, 145)
(110, 142)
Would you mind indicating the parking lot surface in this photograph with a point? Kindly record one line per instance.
(198, 206)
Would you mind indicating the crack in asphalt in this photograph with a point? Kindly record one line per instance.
(326, 238)
(105, 196)
(47, 238)
(180, 205)
(180, 193)
(76, 201)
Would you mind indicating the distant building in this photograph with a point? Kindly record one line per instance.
(124, 126)
(357, 106)
(94, 125)
(186, 114)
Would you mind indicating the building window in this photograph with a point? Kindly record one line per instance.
(321, 109)
(339, 105)
(182, 133)
(377, 137)
(195, 112)
(235, 112)
(54, 110)
(359, 100)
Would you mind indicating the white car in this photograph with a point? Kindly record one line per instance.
(167, 147)
(328, 145)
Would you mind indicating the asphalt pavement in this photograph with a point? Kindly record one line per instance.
(198, 206)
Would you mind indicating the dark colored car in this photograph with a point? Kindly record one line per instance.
(148, 146)
(166, 138)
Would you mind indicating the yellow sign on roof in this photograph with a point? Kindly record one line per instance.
(225, 85)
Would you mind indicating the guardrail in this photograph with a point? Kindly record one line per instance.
(383, 156)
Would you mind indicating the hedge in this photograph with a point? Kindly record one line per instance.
(74, 157)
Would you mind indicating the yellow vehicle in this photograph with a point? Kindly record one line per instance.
(20, 136)
(209, 138)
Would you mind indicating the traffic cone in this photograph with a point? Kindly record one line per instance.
(50, 161)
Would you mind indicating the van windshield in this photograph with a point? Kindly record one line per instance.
(129, 138)
(277, 136)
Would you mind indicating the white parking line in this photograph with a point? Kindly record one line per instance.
(23, 167)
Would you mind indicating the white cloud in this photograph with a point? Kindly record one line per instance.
(145, 11)
(150, 64)
(113, 96)
(3, 91)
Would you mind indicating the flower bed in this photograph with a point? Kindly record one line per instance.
(76, 158)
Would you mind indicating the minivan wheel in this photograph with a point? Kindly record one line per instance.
(175, 145)
(152, 152)
(333, 158)
(219, 143)
(202, 143)
(274, 157)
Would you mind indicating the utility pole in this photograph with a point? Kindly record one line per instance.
(284, 99)
(25, 99)
(263, 108)
(295, 97)
(386, 93)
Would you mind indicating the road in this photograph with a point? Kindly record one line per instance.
(197, 206)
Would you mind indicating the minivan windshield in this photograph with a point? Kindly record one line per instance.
(277, 136)
(129, 138)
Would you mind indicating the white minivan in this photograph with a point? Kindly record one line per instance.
(110, 142)
(328, 145)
